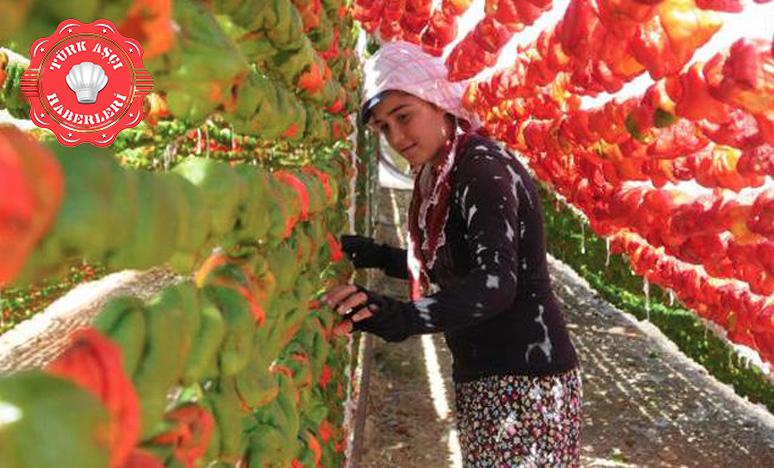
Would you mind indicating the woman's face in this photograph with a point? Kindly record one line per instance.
(415, 128)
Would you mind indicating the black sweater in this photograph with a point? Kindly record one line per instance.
(495, 304)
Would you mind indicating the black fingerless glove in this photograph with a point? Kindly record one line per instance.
(388, 320)
(363, 251)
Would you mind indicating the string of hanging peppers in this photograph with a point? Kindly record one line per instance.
(238, 364)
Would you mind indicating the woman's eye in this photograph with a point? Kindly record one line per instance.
(403, 118)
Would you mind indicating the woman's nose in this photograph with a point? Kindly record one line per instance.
(396, 139)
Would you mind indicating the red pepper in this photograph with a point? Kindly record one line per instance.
(765, 254)
(505, 12)
(368, 12)
(600, 79)
(679, 139)
(479, 49)
(393, 10)
(150, 22)
(740, 131)
(490, 35)
(310, 13)
(757, 161)
(622, 17)
(441, 30)
(142, 459)
(623, 203)
(554, 57)
(455, 7)
(31, 190)
(415, 18)
(389, 30)
(93, 362)
(747, 78)
(619, 60)
(670, 37)
(311, 81)
(515, 14)
(335, 248)
(728, 6)
(325, 376)
(761, 220)
(579, 30)
(333, 50)
(190, 435)
(651, 47)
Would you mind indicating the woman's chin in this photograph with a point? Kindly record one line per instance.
(414, 158)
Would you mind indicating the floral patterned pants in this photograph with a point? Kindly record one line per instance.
(520, 421)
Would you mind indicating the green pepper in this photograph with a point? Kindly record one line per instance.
(187, 72)
(249, 14)
(268, 448)
(213, 449)
(220, 189)
(229, 419)
(83, 224)
(283, 265)
(253, 216)
(290, 63)
(283, 25)
(49, 421)
(168, 336)
(204, 349)
(11, 97)
(123, 320)
(313, 407)
(235, 350)
(256, 386)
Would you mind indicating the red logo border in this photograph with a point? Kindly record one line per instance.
(131, 116)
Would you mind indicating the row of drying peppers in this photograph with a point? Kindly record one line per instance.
(19, 304)
(169, 141)
(239, 366)
(272, 70)
(570, 240)
(248, 349)
(745, 316)
(126, 218)
(230, 368)
(680, 177)
(593, 156)
(601, 44)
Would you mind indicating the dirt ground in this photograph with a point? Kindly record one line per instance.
(645, 404)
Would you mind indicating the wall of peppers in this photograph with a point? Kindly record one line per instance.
(625, 164)
(239, 180)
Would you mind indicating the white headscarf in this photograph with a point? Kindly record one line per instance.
(402, 66)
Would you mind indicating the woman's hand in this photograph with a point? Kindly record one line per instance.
(350, 302)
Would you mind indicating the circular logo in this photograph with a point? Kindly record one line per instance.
(86, 83)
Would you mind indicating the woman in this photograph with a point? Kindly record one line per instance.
(477, 266)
